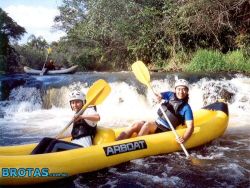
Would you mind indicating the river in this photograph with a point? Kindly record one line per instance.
(33, 107)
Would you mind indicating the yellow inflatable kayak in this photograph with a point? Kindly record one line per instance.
(18, 167)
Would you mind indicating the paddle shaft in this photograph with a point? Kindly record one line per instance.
(45, 64)
(45, 61)
(171, 126)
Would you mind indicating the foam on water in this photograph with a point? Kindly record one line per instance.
(125, 104)
(140, 162)
(23, 100)
(31, 114)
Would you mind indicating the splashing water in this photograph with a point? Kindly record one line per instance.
(32, 113)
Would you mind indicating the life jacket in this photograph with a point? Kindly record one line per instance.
(171, 109)
(81, 129)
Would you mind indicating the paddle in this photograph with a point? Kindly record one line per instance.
(142, 74)
(44, 69)
(95, 95)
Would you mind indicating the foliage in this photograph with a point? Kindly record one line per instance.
(215, 61)
(211, 61)
(178, 62)
(243, 42)
(38, 43)
(111, 35)
(33, 53)
(9, 30)
(237, 61)
(214, 23)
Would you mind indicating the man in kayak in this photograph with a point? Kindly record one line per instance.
(83, 131)
(50, 65)
(177, 110)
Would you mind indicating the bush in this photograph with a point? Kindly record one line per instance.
(84, 61)
(243, 42)
(214, 61)
(206, 60)
(178, 62)
(236, 61)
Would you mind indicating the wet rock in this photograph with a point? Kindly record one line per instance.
(8, 85)
(244, 99)
(215, 90)
(227, 95)
(121, 100)
(9, 82)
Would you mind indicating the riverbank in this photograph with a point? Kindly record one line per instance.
(202, 61)
(207, 61)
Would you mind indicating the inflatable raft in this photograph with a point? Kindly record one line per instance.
(18, 167)
(61, 71)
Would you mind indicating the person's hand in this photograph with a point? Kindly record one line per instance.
(158, 98)
(180, 140)
(78, 118)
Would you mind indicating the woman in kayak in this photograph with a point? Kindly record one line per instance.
(83, 131)
(177, 110)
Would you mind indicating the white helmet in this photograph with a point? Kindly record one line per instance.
(181, 82)
(76, 95)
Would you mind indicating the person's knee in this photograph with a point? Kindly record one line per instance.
(46, 139)
(144, 129)
(151, 127)
(137, 126)
(148, 127)
(134, 128)
(41, 146)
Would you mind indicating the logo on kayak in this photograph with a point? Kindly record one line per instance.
(126, 147)
(29, 172)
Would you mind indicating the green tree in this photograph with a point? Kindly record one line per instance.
(111, 34)
(9, 31)
(34, 52)
(214, 24)
(38, 43)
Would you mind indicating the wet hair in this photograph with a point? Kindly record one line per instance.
(186, 98)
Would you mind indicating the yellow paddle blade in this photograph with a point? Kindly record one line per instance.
(97, 92)
(141, 72)
(49, 50)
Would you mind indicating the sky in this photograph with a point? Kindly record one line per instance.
(35, 16)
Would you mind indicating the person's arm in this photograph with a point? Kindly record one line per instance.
(90, 114)
(189, 131)
(90, 117)
(164, 95)
(189, 121)
(158, 97)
